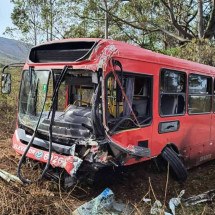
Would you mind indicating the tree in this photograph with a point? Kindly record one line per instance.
(182, 21)
(26, 16)
(91, 16)
(39, 20)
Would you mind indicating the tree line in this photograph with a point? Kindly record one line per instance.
(180, 28)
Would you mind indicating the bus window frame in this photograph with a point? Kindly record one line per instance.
(151, 76)
(188, 95)
(159, 94)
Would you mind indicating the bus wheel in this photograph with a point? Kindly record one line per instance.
(177, 168)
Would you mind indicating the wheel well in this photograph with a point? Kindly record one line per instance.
(172, 146)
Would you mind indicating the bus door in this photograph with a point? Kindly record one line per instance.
(170, 125)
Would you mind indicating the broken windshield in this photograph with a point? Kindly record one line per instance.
(34, 86)
(73, 105)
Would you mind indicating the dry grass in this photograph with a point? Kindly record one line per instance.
(45, 197)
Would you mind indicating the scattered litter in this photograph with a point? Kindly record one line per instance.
(103, 204)
(9, 177)
(175, 202)
(158, 208)
(146, 200)
(204, 197)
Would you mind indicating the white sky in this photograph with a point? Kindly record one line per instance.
(5, 21)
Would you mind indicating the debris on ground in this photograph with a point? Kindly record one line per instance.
(103, 204)
(158, 208)
(204, 197)
(9, 177)
(175, 202)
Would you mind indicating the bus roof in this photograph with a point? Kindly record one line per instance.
(78, 50)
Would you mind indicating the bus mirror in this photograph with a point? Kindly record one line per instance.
(6, 83)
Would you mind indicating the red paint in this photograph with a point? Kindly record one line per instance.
(57, 160)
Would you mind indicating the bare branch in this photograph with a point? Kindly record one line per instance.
(193, 17)
(141, 26)
(200, 19)
(169, 7)
(210, 30)
(122, 20)
(44, 30)
(181, 39)
(132, 38)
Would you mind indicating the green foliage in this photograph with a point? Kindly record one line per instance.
(198, 50)
(39, 20)
(175, 51)
(8, 105)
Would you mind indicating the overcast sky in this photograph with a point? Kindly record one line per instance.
(5, 11)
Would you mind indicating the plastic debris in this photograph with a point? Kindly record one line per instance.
(103, 204)
(175, 202)
(9, 177)
(146, 200)
(158, 208)
(204, 197)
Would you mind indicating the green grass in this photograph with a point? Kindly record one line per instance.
(8, 106)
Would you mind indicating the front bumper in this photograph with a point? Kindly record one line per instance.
(70, 163)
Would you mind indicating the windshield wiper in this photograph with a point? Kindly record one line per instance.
(56, 89)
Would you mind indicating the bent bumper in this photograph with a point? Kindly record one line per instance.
(69, 163)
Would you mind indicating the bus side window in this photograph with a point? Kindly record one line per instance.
(200, 94)
(172, 93)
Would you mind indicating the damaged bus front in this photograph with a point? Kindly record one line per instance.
(67, 112)
(63, 107)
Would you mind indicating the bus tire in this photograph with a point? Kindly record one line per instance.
(177, 168)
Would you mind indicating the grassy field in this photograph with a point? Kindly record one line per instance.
(137, 182)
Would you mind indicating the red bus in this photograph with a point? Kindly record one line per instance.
(85, 104)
